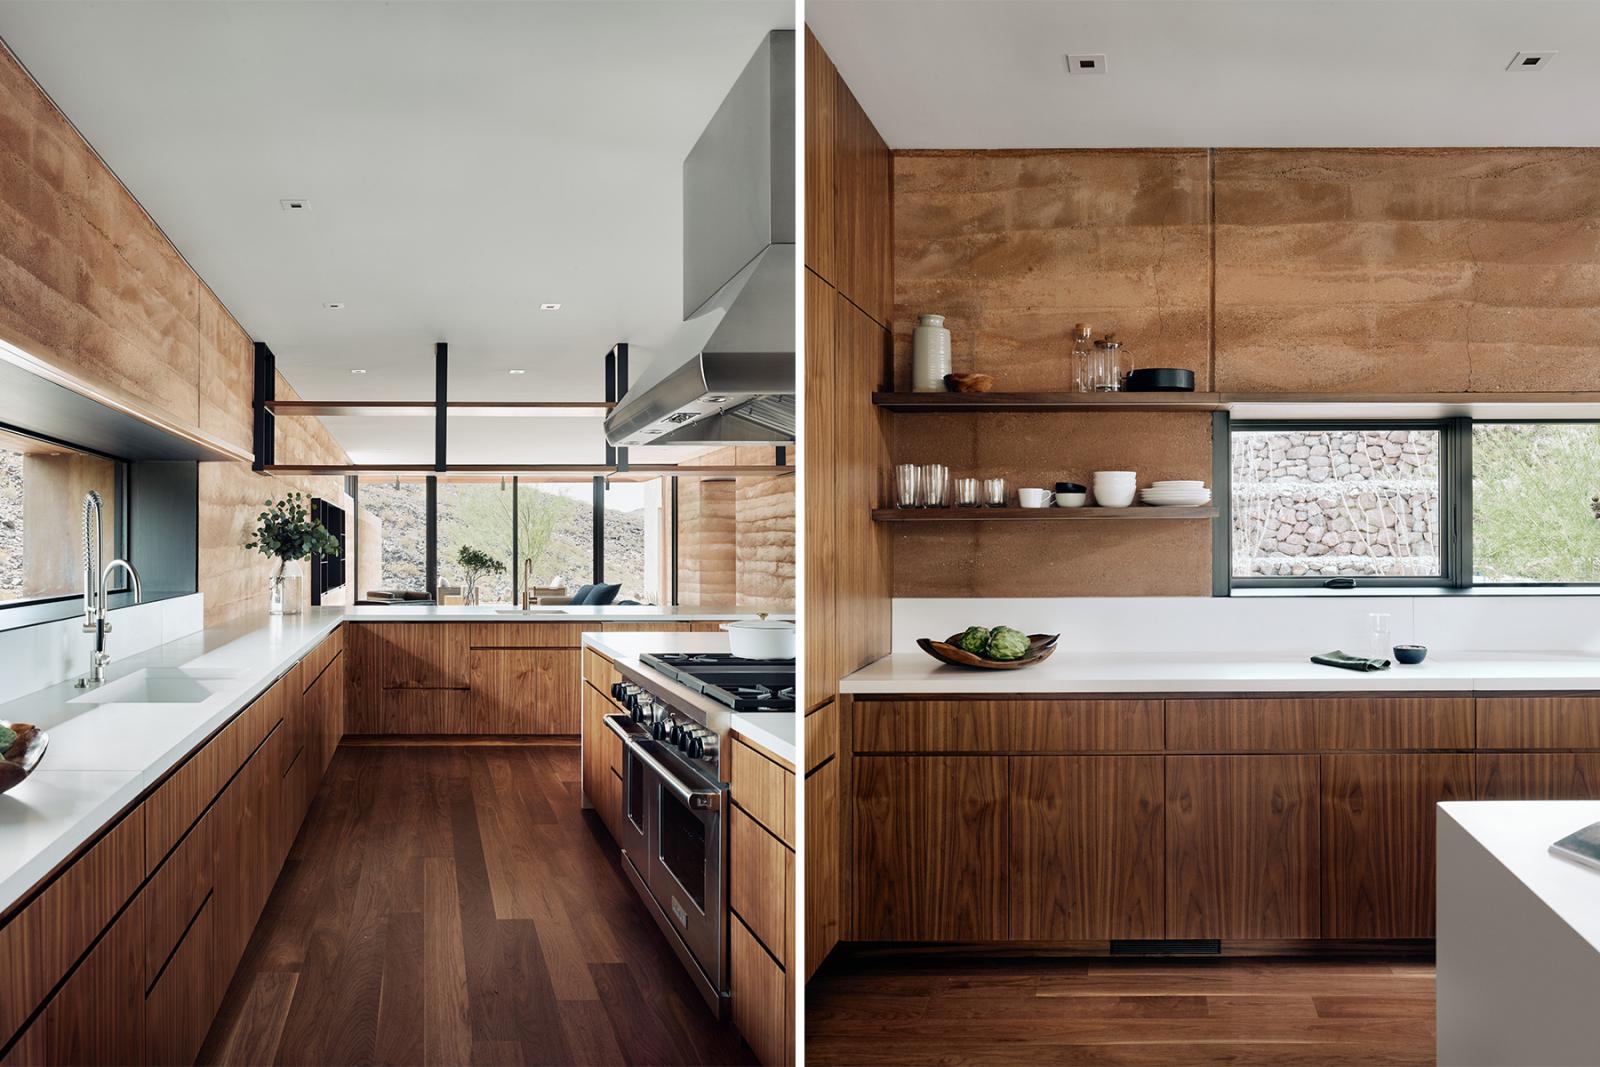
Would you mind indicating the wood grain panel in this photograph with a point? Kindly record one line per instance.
(1256, 724)
(1015, 247)
(530, 634)
(174, 895)
(1395, 722)
(1085, 725)
(178, 802)
(820, 467)
(1378, 842)
(1242, 847)
(1087, 847)
(600, 671)
(861, 560)
(933, 725)
(824, 853)
(40, 943)
(863, 216)
(525, 691)
(929, 848)
(421, 655)
(596, 739)
(763, 788)
(361, 651)
(758, 880)
(756, 992)
(318, 658)
(1536, 776)
(424, 711)
(822, 735)
(183, 998)
(1405, 270)
(1538, 722)
(821, 106)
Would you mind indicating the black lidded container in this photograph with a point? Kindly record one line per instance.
(1160, 380)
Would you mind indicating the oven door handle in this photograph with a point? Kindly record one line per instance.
(697, 799)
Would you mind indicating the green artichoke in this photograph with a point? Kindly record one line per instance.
(974, 640)
(1006, 643)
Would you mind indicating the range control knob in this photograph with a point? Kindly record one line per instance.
(708, 747)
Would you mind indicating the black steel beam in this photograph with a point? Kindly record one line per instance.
(441, 412)
(264, 422)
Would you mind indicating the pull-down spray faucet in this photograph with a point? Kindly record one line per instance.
(95, 581)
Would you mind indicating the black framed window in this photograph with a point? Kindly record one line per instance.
(1448, 503)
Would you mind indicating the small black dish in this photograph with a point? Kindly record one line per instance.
(1411, 655)
(1070, 487)
(1160, 380)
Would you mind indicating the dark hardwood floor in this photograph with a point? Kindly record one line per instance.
(1104, 1011)
(452, 904)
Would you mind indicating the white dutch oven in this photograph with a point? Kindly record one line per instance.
(761, 638)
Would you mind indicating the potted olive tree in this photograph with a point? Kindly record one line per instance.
(287, 533)
(478, 565)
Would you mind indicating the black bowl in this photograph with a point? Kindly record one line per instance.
(1410, 655)
(1070, 487)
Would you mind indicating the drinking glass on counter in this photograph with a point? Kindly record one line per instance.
(967, 492)
(908, 485)
(994, 492)
(1380, 634)
(935, 486)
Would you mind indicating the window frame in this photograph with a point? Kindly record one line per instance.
(1513, 586)
(1455, 505)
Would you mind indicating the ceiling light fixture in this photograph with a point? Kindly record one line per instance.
(516, 372)
(358, 370)
(1530, 60)
(294, 204)
(334, 307)
(1086, 63)
(549, 307)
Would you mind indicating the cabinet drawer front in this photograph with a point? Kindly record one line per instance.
(424, 711)
(1395, 722)
(1536, 775)
(758, 884)
(530, 634)
(599, 671)
(763, 789)
(178, 802)
(1249, 725)
(1085, 725)
(420, 655)
(756, 988)
(180, 1005)
(1539, 722)
(822, 735)
(318, 658)
(42, 941)
(931, 725)
(174, 894)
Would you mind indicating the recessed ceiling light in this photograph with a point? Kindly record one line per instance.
(334, 306)
(359, 370)
(516, 372)
(1086, 63)
(549, 307)
(1530, 60)
(295, 204)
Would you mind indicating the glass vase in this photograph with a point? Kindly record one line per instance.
(283, 589)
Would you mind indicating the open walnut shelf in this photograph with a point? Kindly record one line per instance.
(1019, 514)
(933, 402)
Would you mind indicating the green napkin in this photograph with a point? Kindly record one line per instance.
(1345, 660)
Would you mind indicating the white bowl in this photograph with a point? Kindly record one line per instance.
(1109, 496)
(1116, 475)
(1071, 500)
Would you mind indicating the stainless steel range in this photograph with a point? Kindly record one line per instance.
(675, 792)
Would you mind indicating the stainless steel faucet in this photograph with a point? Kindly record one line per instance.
(94, 589)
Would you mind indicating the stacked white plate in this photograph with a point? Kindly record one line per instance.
(1176, 494)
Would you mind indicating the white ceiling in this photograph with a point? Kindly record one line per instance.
(464, 163)
(1217, 73)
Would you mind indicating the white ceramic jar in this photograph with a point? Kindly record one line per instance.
(930, 354)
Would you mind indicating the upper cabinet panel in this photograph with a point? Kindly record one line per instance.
(1014, 248)
(821, 105)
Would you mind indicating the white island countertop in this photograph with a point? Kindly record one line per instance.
(101, 757)
(773, 731)
(915, 673)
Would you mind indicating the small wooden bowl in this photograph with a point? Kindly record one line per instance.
(1041, 645)
(23, 754)
(969, 383)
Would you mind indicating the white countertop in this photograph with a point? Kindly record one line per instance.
(1066, 672)
(1518, 833)
(773, 731)
(549, 613)
(101, 757)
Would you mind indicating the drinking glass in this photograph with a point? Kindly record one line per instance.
(935, 485)
(908, 485)
(967, 492)
(1380, 635)
(994, 492)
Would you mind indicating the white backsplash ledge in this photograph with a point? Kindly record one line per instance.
(37, 657)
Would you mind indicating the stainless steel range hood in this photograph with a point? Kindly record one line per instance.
(739, 263)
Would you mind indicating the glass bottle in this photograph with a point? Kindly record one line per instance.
(1081, 365)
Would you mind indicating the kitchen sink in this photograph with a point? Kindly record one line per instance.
(530, 611)
(160, 685)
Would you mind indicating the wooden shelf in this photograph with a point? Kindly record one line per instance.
(934, 402)
(1018, 514)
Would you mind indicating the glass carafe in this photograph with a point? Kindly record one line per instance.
(1111, 365)
(1080, 367)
